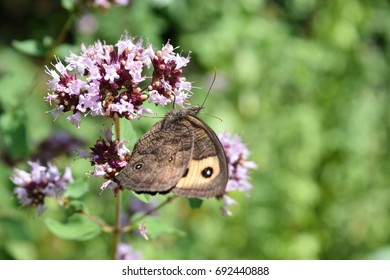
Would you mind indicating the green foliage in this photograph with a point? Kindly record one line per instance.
(127, 132)
(78, 227)
(142, 197)
(77, 189)
(29, 47)
(305, 84)
(157, 226)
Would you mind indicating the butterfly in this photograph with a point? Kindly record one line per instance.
(180, 154)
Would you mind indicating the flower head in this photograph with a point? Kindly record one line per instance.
(107, 80)
(168, 83)
(109, 157)
(237, 154)
(43, 181)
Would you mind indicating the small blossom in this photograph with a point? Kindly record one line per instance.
(237, 154)
(113, 186)
(124, 106)
(75, 119)
(180, 98)
(111, 73)
(156, 98)
(181, 61)
(54, 82)
(105, 80)
(143, 231)
(126, 252)
(124, 44)
(227, 202)
(57, 111)
(43, 181)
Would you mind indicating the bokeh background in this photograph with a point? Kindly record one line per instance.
(305, 83)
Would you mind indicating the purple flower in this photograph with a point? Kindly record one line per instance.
(41, 182)
(126, 252)
(109, 157)
(106, 80)
(237, 154)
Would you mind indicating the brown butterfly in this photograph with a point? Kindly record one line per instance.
(180, 154)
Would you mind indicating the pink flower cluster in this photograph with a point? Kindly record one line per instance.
(237, 154)
(108, 156)
(43, 181)
(110, 81)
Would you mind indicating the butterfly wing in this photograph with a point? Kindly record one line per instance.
(159, 158)
(207, 171)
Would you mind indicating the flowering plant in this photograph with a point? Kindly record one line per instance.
(114, 81)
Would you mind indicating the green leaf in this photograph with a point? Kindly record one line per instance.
(157, 227)
(21, 250)
(143, 197)
(127, 132)
(30, 47)
(14, 130)
(77, 189)
(195, 202)
(68, 4)
(78, 227)
(78, 206)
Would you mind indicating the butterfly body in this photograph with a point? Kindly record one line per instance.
(180, 154)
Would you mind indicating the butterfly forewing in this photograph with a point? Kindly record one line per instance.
(159, 159)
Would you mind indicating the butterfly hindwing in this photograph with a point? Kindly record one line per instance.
(206, 173)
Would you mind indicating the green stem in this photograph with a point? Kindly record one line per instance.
(118, 202)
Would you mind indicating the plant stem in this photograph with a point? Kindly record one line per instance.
(117, 227)
(118, 200)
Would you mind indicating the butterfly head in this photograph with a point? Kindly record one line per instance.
(193, 110)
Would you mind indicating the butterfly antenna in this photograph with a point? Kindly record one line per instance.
(212, 116)
(212, 83)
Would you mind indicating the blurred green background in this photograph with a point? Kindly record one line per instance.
(304, 83)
